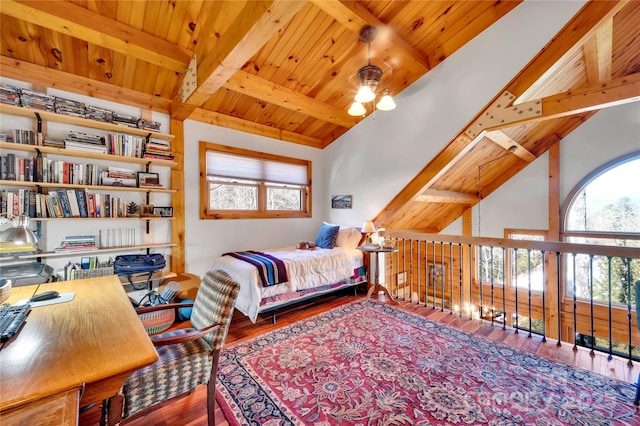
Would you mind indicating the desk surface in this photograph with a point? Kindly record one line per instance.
(95, 340)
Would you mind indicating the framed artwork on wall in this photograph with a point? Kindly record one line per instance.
(341, 201)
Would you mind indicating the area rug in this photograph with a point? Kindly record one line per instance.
(367, 363)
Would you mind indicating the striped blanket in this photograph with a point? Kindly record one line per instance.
(270, 269)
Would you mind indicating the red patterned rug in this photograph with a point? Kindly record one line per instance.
(368, 363)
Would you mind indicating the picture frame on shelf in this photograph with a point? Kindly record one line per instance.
(163, 211)
(148, 180)
(146, 210)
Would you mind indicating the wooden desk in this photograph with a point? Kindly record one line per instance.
(94, 342)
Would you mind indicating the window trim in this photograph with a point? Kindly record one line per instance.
(261, 213)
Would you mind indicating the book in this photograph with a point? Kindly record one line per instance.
(55, 203)
(64, 203)
(73, 202)
(81, 198)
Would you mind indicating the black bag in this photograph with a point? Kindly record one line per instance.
(132, 264)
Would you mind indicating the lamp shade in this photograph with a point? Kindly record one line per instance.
(365, 94)
(20, 236)
(356, 109)
(386, 103)
(368, 227)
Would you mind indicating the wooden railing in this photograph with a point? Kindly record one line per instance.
(477, 277)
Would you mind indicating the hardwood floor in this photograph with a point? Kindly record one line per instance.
(191, 409)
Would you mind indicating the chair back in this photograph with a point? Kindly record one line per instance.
(214, 304)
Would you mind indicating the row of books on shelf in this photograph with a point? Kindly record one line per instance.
(26, 98)
(40, 169)
(119, 144)
(77, 243)
(61, 203)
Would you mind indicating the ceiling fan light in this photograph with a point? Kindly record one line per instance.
(357, 109)
(386, 103)
(365, 94)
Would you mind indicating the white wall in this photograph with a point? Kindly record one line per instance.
(206, 239)
(377, 158)
(522, 202)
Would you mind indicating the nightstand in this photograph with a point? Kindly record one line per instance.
(374, 252)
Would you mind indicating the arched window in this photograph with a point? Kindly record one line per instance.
(604, 209)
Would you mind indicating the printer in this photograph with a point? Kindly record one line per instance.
(26, 273)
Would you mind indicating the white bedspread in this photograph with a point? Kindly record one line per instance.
(305, 269)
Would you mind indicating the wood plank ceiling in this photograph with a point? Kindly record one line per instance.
(286, 70)
(283, 69)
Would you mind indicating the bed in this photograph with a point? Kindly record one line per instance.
(330, 267)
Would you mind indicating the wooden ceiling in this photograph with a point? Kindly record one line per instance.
(592, 63)
(286, 70)
(282, 69)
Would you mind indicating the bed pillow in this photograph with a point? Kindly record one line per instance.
(326, 237)
(348, 237)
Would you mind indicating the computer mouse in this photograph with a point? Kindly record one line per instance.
(47, 295)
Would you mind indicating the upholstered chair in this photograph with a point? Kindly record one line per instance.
(186, 357)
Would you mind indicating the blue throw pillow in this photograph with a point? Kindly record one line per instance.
(327, 236)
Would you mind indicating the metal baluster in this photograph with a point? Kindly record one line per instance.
(559, 269)
(443, 273)
(592, 353)
(408, 279)
(492, 294)
(433, 275)
(575, 305)
(504, 288)
(391, 273)
(544, 309)
(628, 264)
(451, 277)
(480, 280)
(461, 276)
(515, 275)
(610, 357)
(419, 268)
(404, 264)
(470, 279)
(529, 286)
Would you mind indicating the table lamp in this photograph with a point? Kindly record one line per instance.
(19, 238)
(368, 228)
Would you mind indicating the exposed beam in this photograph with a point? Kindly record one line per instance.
(506, 142)
(618, 91)
(442, 196)
(259, 88)
(83, 24)
(571, 36)
(354, 16)
(25, 71)
(228, 121)
(598, 54)
(218, 58)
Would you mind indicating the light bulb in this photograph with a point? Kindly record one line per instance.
(386, 103)
(357, 109)
(365, 94)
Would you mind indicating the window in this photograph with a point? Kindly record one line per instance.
(604, 209)
(237, 183)
(526, 266)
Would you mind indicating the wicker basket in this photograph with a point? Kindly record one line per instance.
(159, 321)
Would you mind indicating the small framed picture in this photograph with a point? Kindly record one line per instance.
(146, 180)
(163, 211)
(146, 210)
(341, 202)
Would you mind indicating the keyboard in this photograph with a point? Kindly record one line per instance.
(11, 319)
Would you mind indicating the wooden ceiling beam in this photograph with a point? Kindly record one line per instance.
(219, 57)
(442, 196)
(355, 16)
(228, 121)
(598, 54)
(83, 24)
(618, 91)
(506, 142)
(259, 88)
(572, 36)
(37, 74)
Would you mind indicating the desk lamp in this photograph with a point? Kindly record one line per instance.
(19, 238)
(368, 228)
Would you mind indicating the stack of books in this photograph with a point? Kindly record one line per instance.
(77, 243)
(85, 142)
(99, 114)
(37, 100)
(9, 95)
(125, 119)
(158, 149)
(69, 107)
(154, 126)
